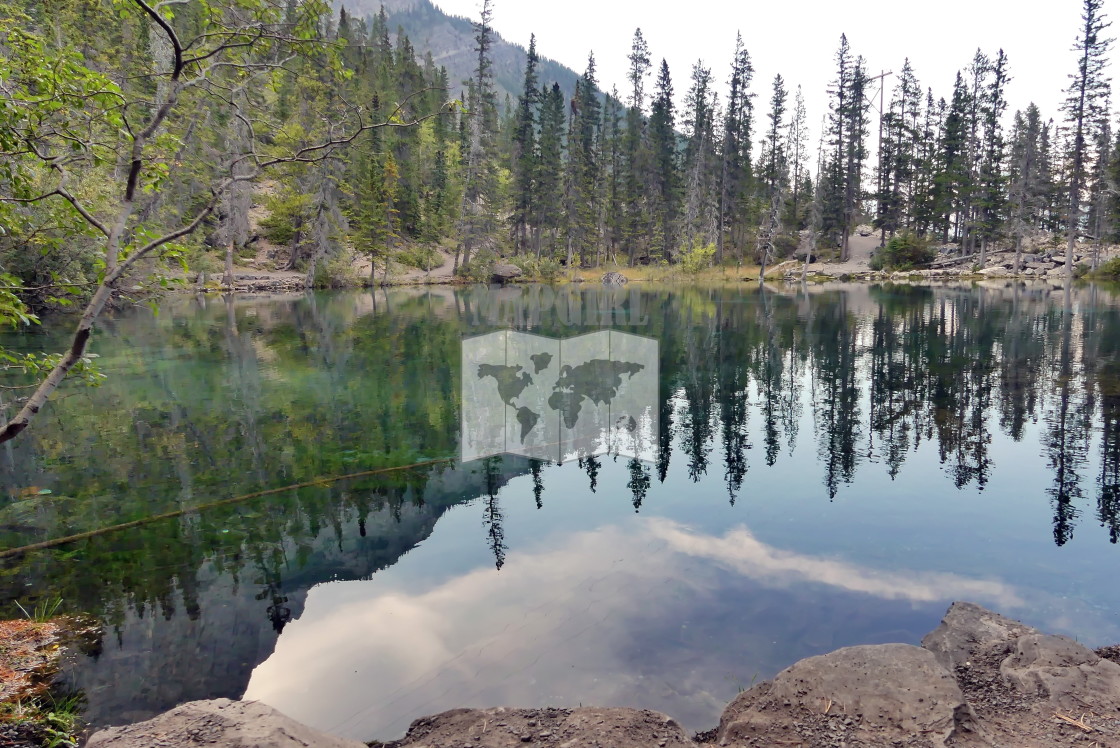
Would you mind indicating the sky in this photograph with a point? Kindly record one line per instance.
(798, 39)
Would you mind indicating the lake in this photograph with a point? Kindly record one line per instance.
(669, 493)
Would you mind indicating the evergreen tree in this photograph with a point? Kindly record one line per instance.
(377, 215)
(480, 188)
(952, 179)
(991, 190)
(797, 155)
(665, 176)
(636, 155)
(735, 170)
(549, 202)
(847, 132)
(583, 153)
(525, 150)
(1026, 186)
(613, 170)
(699, 157)
(1086, 111)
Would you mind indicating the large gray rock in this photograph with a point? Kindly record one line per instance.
(1064, 672)
(504, 272)
(221, 723)
(1026, 687)
(872, 695)
(967, 627)
(566, 728)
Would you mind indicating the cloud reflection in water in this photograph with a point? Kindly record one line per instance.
(653, 615)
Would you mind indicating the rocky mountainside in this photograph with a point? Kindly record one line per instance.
(450, 40)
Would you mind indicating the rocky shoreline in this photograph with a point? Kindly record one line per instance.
(978, 680)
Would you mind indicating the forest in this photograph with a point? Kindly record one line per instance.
(143, 142)
(554, 178)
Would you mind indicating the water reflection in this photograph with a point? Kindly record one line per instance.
(638, 601)
(824, 467)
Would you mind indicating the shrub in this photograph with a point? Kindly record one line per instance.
(421, 257)
(785, 245)
(697, 257)
(546, 268)
(336, 272)
(286, 211)
(481, 268)
(904, 251)
(1109, 270)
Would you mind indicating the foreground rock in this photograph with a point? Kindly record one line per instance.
(507, 728)
(1025, 687)
(870, 695)
(979, 680)
(221, 722)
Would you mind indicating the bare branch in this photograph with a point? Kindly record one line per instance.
(171, 35)
(90, 219)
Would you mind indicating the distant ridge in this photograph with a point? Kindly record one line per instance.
(450, 40)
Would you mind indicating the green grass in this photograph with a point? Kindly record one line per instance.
(43, 611)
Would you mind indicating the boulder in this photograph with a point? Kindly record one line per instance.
(509, 728)
(1024, 686)
(965, 627)
(865, 695)
(1064, 672)
(614, 279)
(222, 723)
(504, 272)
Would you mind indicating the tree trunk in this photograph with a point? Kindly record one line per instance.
(228, 278)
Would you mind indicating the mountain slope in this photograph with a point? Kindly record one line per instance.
(450, 40)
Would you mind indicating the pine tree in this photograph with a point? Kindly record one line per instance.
(613, 171)
(636, 155)
(665, 177)
(797, 155)
(1101, 193)
(480, 181)
(898, 156)
(991, 197)
(952, 178)
(773, 154)
(969, 188)
(847, 132)
(774, 176)
(699, 157)
(735, 170)
(583, 153)
(549, 202)
(377, 214)
(1086, 111)
(525, 150)
(1026, 188)
(928, 166)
